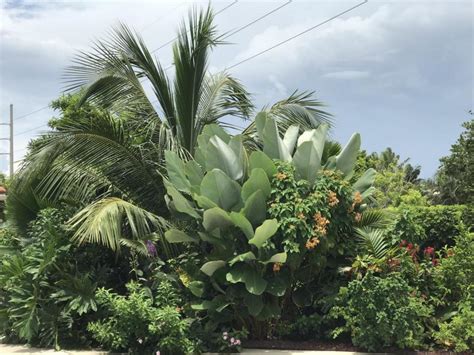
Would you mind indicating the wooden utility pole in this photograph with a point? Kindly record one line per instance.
(9, 139)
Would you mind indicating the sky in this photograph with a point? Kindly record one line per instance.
(398, 72)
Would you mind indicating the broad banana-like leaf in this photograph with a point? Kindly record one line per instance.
(365, 181)
(254, 283)
(204, 202)
(243, 223)
(276, 258)
(177, 236)
(273, 145)
(210, 267)
(317, 136)
(260, 121)
(290, 137)
(367, 193)
(258, 180)
(196, 288)
(346, 160)
(180, 203)
(236, 144)
(264, 232)
(255, 208)
(242, 257)
(277, 286)
(307, 162)
(259, 159)
(271, 309)
(221, 189)
(221, 156)
(216, 218)
(176, 171)
(212, 130)
(254, 303)
(194, 173)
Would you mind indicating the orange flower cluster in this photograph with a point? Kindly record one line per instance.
(281, 176)
(321, 223)
(277, 267)
(332, 199)
(312, 243)
(357, 198)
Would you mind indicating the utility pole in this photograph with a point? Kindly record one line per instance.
(9, 139)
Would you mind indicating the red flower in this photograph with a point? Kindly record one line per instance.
(435, 262)
(403, 243)
(429, 251)
(409, 246)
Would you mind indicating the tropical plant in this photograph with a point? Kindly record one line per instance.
(224, 193)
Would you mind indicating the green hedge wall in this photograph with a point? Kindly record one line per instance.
(436, 225)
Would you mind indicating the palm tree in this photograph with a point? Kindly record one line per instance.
(108, 164)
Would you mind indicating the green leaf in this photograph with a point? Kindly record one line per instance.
(365, 181)
(177, 236)
(176, 171)
(259, 159)
(264, 232)
(196, 288)
(204, 202)
(302, 297)
(242, 257)
(273, 145)
(194, 173)
(290, 137)
(254, 303)
(277, 287)
(216, 218)
(277, 258)
(258, 180)
(243, 223)
(211, 266)
(307, 162)
(221, 156)
(222, 190)
(346, 160)
(255, 208)
(181, 204)
(254, 283)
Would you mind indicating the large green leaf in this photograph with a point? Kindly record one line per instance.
(254, 283)
(196, 288)
(221, 189)
(365, 181)
(307, 162)
(204, 202)
(302, 297)
(221, 156)
(259, 159)
(242, 257)
(243, 223)
(258, 180)
(277, 286)
(180, 203)
(277, 258)
(273, 145)
(176, 171)
(177, 236)
(255, 208)
(254, 303)
(264, 232)
(346, 160)
(290, 137)
(210, 267)
(194, 173)
(216, 218)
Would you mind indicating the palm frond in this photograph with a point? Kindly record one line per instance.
(112, 219)
(373, 242)
(375, 218)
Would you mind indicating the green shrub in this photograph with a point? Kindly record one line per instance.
(381, 312)
(236, 205)
(139, 324)
(458, 332)
(434, 226)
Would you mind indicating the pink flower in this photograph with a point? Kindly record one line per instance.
(157, 353)
(237, 342)
(232, 340)
(429, 251)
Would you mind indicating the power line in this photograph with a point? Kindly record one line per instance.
(32, 112)
(256, 20)
(162, 17)
(297, 35)
(175, 38)
(31, 129)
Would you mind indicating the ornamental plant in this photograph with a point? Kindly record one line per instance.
(232, 204)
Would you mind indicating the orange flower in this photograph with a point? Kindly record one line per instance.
(312, 243)
(276, 267)
(321, 223)
(357, 198)
(332, 199)
(281, 176)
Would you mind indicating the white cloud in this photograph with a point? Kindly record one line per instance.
(347, 74)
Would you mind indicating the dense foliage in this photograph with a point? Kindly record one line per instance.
(142, 229)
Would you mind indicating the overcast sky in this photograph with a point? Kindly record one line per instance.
(398, 72)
